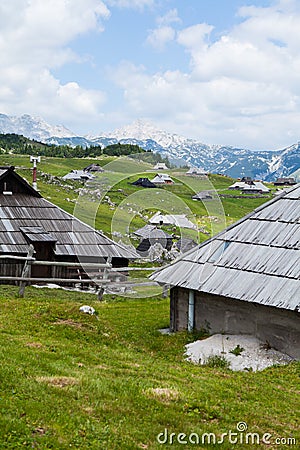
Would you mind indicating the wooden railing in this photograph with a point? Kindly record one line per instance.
(104, 270)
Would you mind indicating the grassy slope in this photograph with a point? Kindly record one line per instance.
(70, 380)
(212, 216)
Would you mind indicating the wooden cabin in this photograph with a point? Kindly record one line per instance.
(287, 181)
(197, 171)
(27, 219)
(94, 167)
(245, 280)
(204, 196)
(78, 175)
(150, 235)
(160, 166)
(162, 178)
(250, 187)
(144, 182)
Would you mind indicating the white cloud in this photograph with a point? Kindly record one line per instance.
(159, 37)
(242, 88)
(164, 33)
(195, 36)
(170, 17)
(34, 38)
(133, 4)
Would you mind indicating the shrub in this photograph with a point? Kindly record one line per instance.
(237, 350)
(217, 361)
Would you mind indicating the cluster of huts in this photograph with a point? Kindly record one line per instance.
(245, 280)
(85, 174)
(158, 180)
(164, 178)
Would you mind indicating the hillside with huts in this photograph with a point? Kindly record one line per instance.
(107, 274)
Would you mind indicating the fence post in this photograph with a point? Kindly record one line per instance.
(26, 272)
(105, 277)
(100, 293)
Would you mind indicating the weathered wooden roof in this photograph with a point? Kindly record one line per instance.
(162, 178)
(78, 175)
(144, 182)
(145, 231)
(256, 260)
(37, 234)
(152, 232)
(24, 216)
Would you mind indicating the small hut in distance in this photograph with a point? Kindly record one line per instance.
(196, 171)
(160, 166)
(78, 175)
(178, 220)
(287, 181)
(162, 178)
(248, 186)
(204, 196)
(84, 174)
(144, 182)
(151, 235)
(94, 167)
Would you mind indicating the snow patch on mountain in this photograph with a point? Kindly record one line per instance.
(227, 160)
(32, 127)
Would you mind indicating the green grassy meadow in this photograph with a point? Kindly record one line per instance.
(113, 381)
(119, 173)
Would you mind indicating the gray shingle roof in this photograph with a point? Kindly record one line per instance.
(255, 260)
(27, 215)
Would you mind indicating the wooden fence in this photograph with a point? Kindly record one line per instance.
(100, 278)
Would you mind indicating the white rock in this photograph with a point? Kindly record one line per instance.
(87, 309)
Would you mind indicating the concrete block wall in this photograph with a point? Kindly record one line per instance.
(279, 327)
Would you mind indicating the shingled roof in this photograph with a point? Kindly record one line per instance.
(256, 260)
(26, 216)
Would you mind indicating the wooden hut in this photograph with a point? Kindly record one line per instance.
(285, 181)
(160, 166)
(204, 196)
(185, 244)
(197, 171)
(78, 175)
(250, 187)
(177, 220)
(245, 280)
(162, 178)
(27, 219)
(151, 235)
(94, 167)
(144, 182)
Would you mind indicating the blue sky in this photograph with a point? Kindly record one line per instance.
(222, 72)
